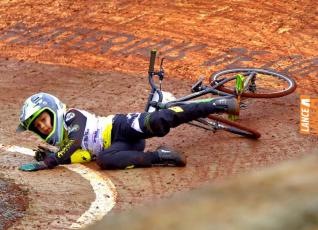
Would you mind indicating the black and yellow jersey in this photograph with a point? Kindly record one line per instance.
(84, 133)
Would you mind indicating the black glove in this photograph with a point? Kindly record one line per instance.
(42, 152)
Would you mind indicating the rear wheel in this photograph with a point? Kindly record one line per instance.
(265, 83)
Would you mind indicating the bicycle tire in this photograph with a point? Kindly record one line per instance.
(236, 128)
(290, 82)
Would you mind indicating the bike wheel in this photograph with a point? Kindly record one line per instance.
(268, 83)
(214, 123)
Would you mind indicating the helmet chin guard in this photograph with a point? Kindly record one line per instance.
(34, 106)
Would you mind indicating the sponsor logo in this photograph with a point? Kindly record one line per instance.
(67, 146)
(73, 128)
(164, 151)
(95, 135)
(69, 116)
(308, 115)
(23, 112)
(85, 139)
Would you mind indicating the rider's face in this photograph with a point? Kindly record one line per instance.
(43, 123)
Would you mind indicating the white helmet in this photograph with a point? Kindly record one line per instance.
(34, 106)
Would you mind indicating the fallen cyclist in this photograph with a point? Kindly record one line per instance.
(116, 141)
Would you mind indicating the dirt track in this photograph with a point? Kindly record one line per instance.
(80, 52)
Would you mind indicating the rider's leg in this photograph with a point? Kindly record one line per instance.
(130, 129)
(159, 123)
(121, 155)
(145, 125)
(124, 154)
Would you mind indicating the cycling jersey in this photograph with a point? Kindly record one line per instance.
(83, 130)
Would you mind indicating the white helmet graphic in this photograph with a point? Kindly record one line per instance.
(34, 106)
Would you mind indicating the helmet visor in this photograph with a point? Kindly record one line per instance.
(20, 128)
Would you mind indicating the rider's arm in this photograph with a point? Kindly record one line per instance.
(75, 122)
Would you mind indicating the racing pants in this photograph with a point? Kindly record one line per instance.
(129, 132)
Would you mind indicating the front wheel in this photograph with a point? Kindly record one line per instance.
(264, 84)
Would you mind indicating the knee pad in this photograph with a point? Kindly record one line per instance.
(156, 124)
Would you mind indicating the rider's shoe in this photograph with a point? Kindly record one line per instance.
(228, 105)
(169, 157)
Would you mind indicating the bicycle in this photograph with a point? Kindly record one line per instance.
(245, 83)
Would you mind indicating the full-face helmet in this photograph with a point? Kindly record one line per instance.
(34, 106)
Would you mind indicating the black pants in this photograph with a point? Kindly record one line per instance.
(130, 131)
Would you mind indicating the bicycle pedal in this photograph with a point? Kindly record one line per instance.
(197, 86)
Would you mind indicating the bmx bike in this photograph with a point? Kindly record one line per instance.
(241, 83)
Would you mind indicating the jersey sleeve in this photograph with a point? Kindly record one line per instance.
(75, 123)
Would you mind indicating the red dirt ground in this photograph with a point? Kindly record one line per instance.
(95, 56)
(13, 203)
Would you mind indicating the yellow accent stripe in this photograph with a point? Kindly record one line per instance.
(130, 167)
(108, 132)
(176, 109)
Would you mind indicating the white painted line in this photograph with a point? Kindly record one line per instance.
(22, 150)
(104, 189)
(105, 196)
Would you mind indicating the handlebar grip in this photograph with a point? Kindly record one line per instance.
(152, 61)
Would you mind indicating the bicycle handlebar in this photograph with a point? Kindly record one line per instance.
(152, 61)
(202, 90)
(152, 73)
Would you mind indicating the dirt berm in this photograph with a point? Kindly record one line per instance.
(282, 197)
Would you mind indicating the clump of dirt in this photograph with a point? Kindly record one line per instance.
(13, 203)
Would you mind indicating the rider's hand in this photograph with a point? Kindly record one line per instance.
(42, 152)
(33, 166)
